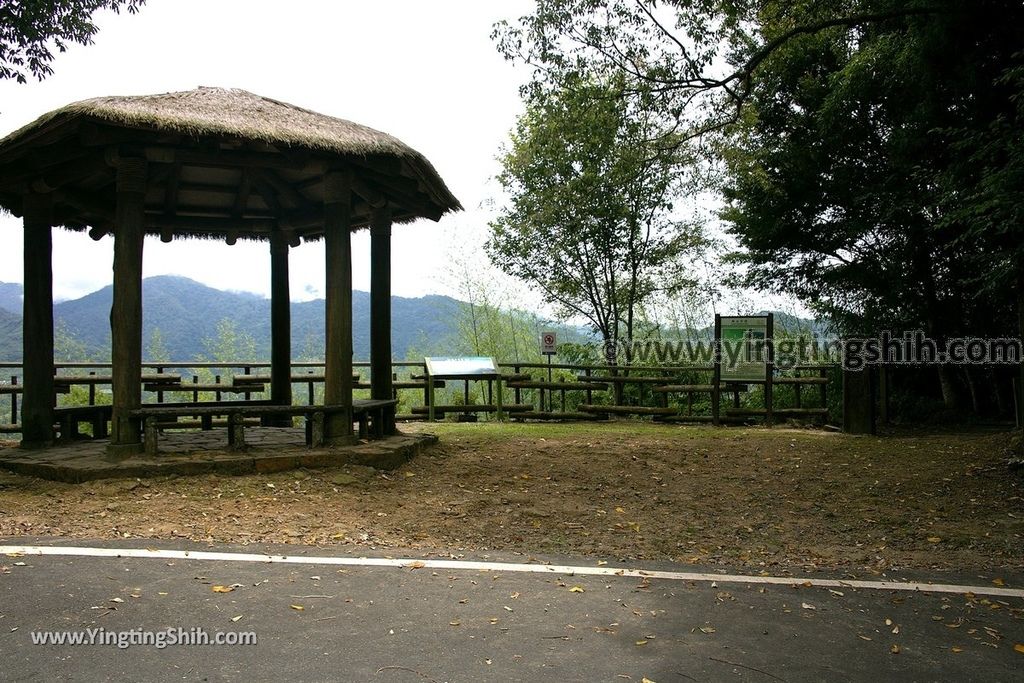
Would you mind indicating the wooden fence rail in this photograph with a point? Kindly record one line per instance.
(583, 392)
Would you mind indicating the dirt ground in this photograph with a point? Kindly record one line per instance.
(745, 498)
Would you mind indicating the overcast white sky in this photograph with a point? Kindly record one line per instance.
(426, 72)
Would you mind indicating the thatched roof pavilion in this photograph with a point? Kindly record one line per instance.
(219, 164)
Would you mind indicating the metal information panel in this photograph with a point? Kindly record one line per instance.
(465, 367)
(744, 348)
(444, 367)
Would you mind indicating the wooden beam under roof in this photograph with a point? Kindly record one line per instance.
(171, 189)
(242, 198)
(230, 158)
(292, 197)
(207, 224)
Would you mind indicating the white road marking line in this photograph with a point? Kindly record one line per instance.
(610, 572)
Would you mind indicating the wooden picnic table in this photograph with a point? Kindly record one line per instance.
(368, 413)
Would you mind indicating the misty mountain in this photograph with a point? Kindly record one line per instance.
(10, 297)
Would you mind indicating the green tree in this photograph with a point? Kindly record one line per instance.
(30, 30)
(67, 347)
(700, 58)
(589, 219)
(838, 187)
(156, 350)
(230, 344)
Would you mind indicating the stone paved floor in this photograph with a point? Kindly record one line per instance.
(268, 449)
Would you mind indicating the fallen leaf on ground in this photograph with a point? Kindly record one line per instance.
(577, 589)
(416, 565)
(1019, 647)
(297, 607)
(222, 589)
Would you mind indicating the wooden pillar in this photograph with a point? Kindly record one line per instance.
(858, 401)
(280, 328)
(716, 374)
(338, 316)
(37, 322)
(380, 311)
(769, 367)
(126, 313)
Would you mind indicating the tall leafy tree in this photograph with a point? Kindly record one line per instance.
(30, 30)
(839, 184)
(589, 218)
(698, 58)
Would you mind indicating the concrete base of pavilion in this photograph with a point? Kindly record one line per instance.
(268, 449)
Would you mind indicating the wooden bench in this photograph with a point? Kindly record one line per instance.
(628, 410)
(568, 386)
(472, 408)
(369, 414)
(68, 418)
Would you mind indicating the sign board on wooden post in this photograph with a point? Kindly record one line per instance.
(744, 348)
(548, 341)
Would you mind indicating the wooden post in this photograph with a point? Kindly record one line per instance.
(380, 312)
(858, 401)
(126, 312)
(338, 355)
(716, 374)
(769, 367)
(883, 393)
(37, 309)
(280, 329)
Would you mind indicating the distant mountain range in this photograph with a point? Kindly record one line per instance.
(187, 313)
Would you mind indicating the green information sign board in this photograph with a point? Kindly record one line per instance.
(744, 356)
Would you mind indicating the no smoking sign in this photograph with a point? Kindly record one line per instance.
(548, 341)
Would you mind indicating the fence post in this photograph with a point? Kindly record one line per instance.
(858, 401)
(769, 365)
(716, 373)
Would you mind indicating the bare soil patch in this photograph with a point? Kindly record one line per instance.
(748, 498)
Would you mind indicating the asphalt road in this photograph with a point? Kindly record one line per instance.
(410, 623)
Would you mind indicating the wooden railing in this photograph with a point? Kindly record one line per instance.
(540, 391)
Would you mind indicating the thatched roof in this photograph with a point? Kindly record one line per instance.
(214, 126)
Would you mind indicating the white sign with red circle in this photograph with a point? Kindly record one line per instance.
(548, 341)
